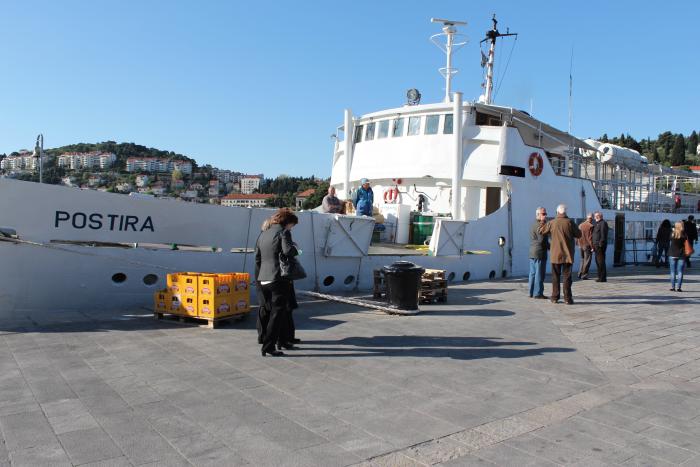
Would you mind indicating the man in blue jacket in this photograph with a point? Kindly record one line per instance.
(363, 198)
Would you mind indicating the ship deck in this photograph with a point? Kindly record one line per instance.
(489, 378)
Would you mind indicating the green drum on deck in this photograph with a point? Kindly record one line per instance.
(421, 227)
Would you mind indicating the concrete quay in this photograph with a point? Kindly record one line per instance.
(492, 377)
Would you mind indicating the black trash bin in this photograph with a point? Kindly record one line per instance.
(403, 284)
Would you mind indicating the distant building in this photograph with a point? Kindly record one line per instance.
(25, 160)
(94, 180)
(157, 164)
(189, 195)
(68, 181)
(253, 200)
(86, 160)
(249, 183)
(303, 196)
(142, 180)
(695, 169)
(224, 176)
(124, 187)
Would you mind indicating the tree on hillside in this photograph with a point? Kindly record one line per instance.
(655, 158)
(315, 200)
(678, 152)
(693, 143)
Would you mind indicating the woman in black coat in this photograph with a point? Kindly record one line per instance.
(663, 238)
(276, 290)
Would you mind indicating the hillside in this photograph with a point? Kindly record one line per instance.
(122, 150)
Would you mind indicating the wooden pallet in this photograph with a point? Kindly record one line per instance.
(433, 274)
(211, 323)
(433, 295)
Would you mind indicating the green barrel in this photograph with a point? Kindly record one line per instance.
(421, 228)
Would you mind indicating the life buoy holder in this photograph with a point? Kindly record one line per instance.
(535, 164)
(391, 195)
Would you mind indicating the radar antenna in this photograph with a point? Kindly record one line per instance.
(491, 36)
(449, 31)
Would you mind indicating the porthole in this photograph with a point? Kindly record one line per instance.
(328, 280)
(492, 275)
(466, 276)
(349, 280)
(150, 279)
(451, 276)
(119, 278)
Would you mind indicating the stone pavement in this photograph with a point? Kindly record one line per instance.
(490, 378)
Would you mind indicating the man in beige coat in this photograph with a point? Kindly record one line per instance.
(562, 232)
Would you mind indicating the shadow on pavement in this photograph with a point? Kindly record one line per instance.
(459, 348)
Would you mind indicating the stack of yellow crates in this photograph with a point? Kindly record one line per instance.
(205, 295)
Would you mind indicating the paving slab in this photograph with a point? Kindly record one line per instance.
(489, 378)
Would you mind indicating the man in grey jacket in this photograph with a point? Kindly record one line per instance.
(538, 255)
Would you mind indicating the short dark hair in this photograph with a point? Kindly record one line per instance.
(284, 217)
(691, 217)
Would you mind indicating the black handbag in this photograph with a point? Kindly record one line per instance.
(290, 268)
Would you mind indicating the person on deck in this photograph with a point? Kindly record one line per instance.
(563, 231)
(585, 244)
(600, 245)
(363, 199)
(331, 203)
(539, 244)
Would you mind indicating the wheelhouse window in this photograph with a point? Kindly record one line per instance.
(369, 136)
(383, 129)
(447, 129)
(431, 124)
(358, 133)
(487, 120)
(398, 127)
(413, 126)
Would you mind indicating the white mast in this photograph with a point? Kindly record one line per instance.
(457, 160)
(491, 36)
(39, 151)
(449, 31)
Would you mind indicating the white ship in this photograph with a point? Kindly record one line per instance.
(475, 170)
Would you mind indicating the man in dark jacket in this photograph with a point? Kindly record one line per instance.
(363, 198)
(691, 231)
(538, 255)
(600, 244)
(563, 231)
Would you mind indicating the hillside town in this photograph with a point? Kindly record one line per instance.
(149, 176)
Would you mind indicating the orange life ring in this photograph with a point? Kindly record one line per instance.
(536, 164)
(391, 195)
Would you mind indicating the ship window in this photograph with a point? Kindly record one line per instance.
(448, 124)
(383, 129)
(358, 133)
(431, 124)
(413, 126)
(398, 127)
(370, 131)
(487, 120)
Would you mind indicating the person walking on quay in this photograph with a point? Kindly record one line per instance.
(276, 290)
(600, 244)
(663, 239)
(691, 231)
(363, 199)
(562, 231)
(676, 252)
(585, 244)
(539, 244)
(331, 203)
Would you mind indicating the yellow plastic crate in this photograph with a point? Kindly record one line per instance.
(215, 285)
(183, 283)
(161, 300)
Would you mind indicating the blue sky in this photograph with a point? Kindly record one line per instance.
(261, 86)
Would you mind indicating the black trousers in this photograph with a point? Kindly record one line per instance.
(600, 264)
(273, 314)
(561, 271)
